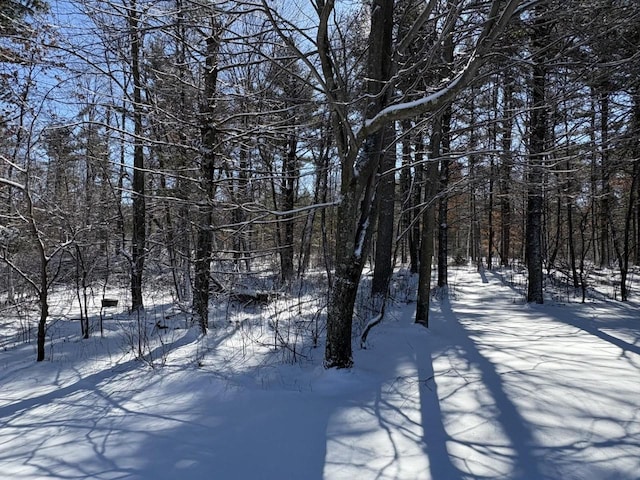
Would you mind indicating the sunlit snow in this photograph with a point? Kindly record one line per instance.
(494, 389)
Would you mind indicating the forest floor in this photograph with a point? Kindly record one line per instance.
(494, 389)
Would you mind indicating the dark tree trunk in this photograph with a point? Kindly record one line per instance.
(290, 178)
(570, 225)
(443, 204)
(386, 190)
(352, 245)
(204, 240)
(506, 165)
(445, 165)
(138, 242)
(428, 230)
(491, 235)
(623, 252)
(535, 178)
(605, 196)
(356, 211)
(42, 326)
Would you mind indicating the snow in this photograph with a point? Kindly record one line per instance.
(420, 103)
(495, 389)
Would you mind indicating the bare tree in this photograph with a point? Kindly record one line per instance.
(358, 143)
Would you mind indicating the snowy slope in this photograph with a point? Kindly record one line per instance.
(495, 389)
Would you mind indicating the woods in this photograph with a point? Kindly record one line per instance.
(199, 146)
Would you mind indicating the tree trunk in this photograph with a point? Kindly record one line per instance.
(290, 178)
(602, 97)
(138, 241)
(506, 165)
(623, 252)
(570, 225)
(443, 204)
(386, 190)
(428, 229)
(445, 165)
(535, 178)
(319, 196)
(408, 185)
(356, 211)
(42, 324)
(204, 243)
(491, 233)
(352, 245)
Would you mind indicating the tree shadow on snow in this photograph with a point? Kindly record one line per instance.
(480, 456)
(127, 422)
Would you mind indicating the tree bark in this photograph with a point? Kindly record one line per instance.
(443, 204)
(138, 241)
(290, 178)
(386, 217)
(536, 160)
(204, 240)
(428, 229)
(356, 212)
(506, 166)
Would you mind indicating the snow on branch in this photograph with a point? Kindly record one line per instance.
(11, 183)
(495, 24)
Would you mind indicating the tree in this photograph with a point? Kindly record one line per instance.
(209, 139)
(138, 237)
(13, 14)
(358, 149)
(536, 160)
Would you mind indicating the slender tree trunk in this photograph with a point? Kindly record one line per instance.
(406, 189)
(138, 241)
(491, 233)
(42, 325)
(623, 251)
(535, 178)
(122, 173)
(570, 224)
(411, 200)
(554, 247)
(42, 286)
(506, 166)
(386, 217)
(445, 166)
(474, 242)
(475, 248)
(319, 196)
(635, 134)
(290, 176)
(204, 243)
(443, 203)
(605, 172)
(428, 228)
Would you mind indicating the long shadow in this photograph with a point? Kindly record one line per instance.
(588, 325)
(98, 432)
(435, 436)
(405, 417)
(88, 383)
(116, 439)
(516, 428)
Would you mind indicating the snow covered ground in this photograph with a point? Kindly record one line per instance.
(494, 389)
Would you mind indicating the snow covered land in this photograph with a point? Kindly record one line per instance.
(494, 389)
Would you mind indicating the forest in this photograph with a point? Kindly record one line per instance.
(242, 150)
